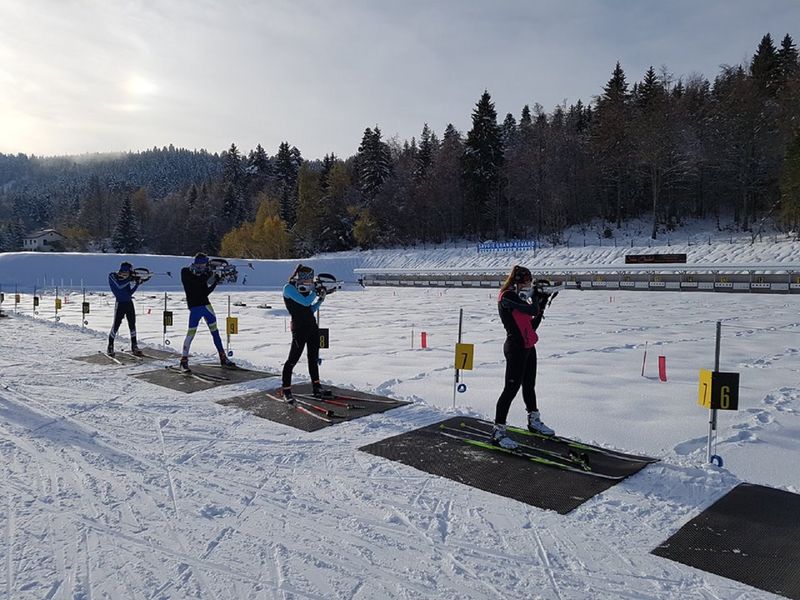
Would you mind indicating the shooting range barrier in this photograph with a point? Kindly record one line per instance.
(761, 278)
(750, 535)
(363, 404)
(516, 477)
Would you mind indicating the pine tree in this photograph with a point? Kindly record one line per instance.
(790, 187)
(287, 165)
(509, 130)
(126, 234)
(424, 156)
(787, 60)
(374, 163)
(483, 158)
(309, 223)
(764, 67)
(258, 164)
(525, 120)
(324, 176)
(612, 144)
(232, 166)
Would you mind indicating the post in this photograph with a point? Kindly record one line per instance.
(227, 329)
(712, 412)
(455, 383)
(164, 320)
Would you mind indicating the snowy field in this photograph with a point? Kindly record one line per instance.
(116, 488)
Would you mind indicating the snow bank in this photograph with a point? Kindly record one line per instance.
(27, 270)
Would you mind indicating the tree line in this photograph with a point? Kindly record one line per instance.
(662, 147)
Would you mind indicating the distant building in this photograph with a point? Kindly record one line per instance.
(43, 240)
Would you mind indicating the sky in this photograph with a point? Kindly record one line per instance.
(85, 76)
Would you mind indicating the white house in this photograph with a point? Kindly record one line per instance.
(42, 240)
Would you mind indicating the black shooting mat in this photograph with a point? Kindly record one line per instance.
(428, 450)
(190, 383)
(750, 535)
(274, 410)
(151, 355)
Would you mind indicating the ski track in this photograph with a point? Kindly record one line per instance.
(129, 475)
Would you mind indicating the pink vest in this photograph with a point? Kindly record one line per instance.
(525, 326)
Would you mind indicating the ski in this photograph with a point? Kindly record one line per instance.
(226, 367)
(576, 445)
(131, 354)
(531, 457)
(523, 450)
(310, 405)
(331, 400)
(580, 445)
(109, 357)
(578, 459)
(300, 408)
(199, 376)
(356, 399)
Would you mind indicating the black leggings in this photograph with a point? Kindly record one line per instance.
(124, 310)
(520, 371)
(301, 340)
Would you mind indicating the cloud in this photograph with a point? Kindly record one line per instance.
(91, 75)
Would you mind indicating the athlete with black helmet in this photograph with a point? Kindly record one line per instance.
(123, 285)
(199, 280)
(303, 299)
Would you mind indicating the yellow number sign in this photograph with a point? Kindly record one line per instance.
(232, 325)
(718, 390)
(464, 356)
(58, 303)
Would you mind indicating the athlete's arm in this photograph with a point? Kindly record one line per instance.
(510, 302)
(290, 292)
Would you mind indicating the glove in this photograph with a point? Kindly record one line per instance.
(321, 293)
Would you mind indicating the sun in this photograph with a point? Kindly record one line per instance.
(136, 85)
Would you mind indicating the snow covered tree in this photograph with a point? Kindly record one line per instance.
(374, 163)
(126, 238)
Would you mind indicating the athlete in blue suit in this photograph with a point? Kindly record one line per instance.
(123, 285)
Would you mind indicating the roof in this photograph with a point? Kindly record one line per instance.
(42, 233)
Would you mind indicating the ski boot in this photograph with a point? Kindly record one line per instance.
(320, 392)
(135, 347)
(536, 426)
(500, 438)
(183, 367)
(224, 361)
(287, 395)
(110, 349)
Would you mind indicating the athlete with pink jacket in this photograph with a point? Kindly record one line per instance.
(521, 316)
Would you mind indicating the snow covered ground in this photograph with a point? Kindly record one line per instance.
(113, 487)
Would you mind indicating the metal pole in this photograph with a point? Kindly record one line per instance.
(455, 383)
(712, 413)
(227, 329)
(164, 320)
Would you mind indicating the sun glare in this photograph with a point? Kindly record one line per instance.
(140, 86)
